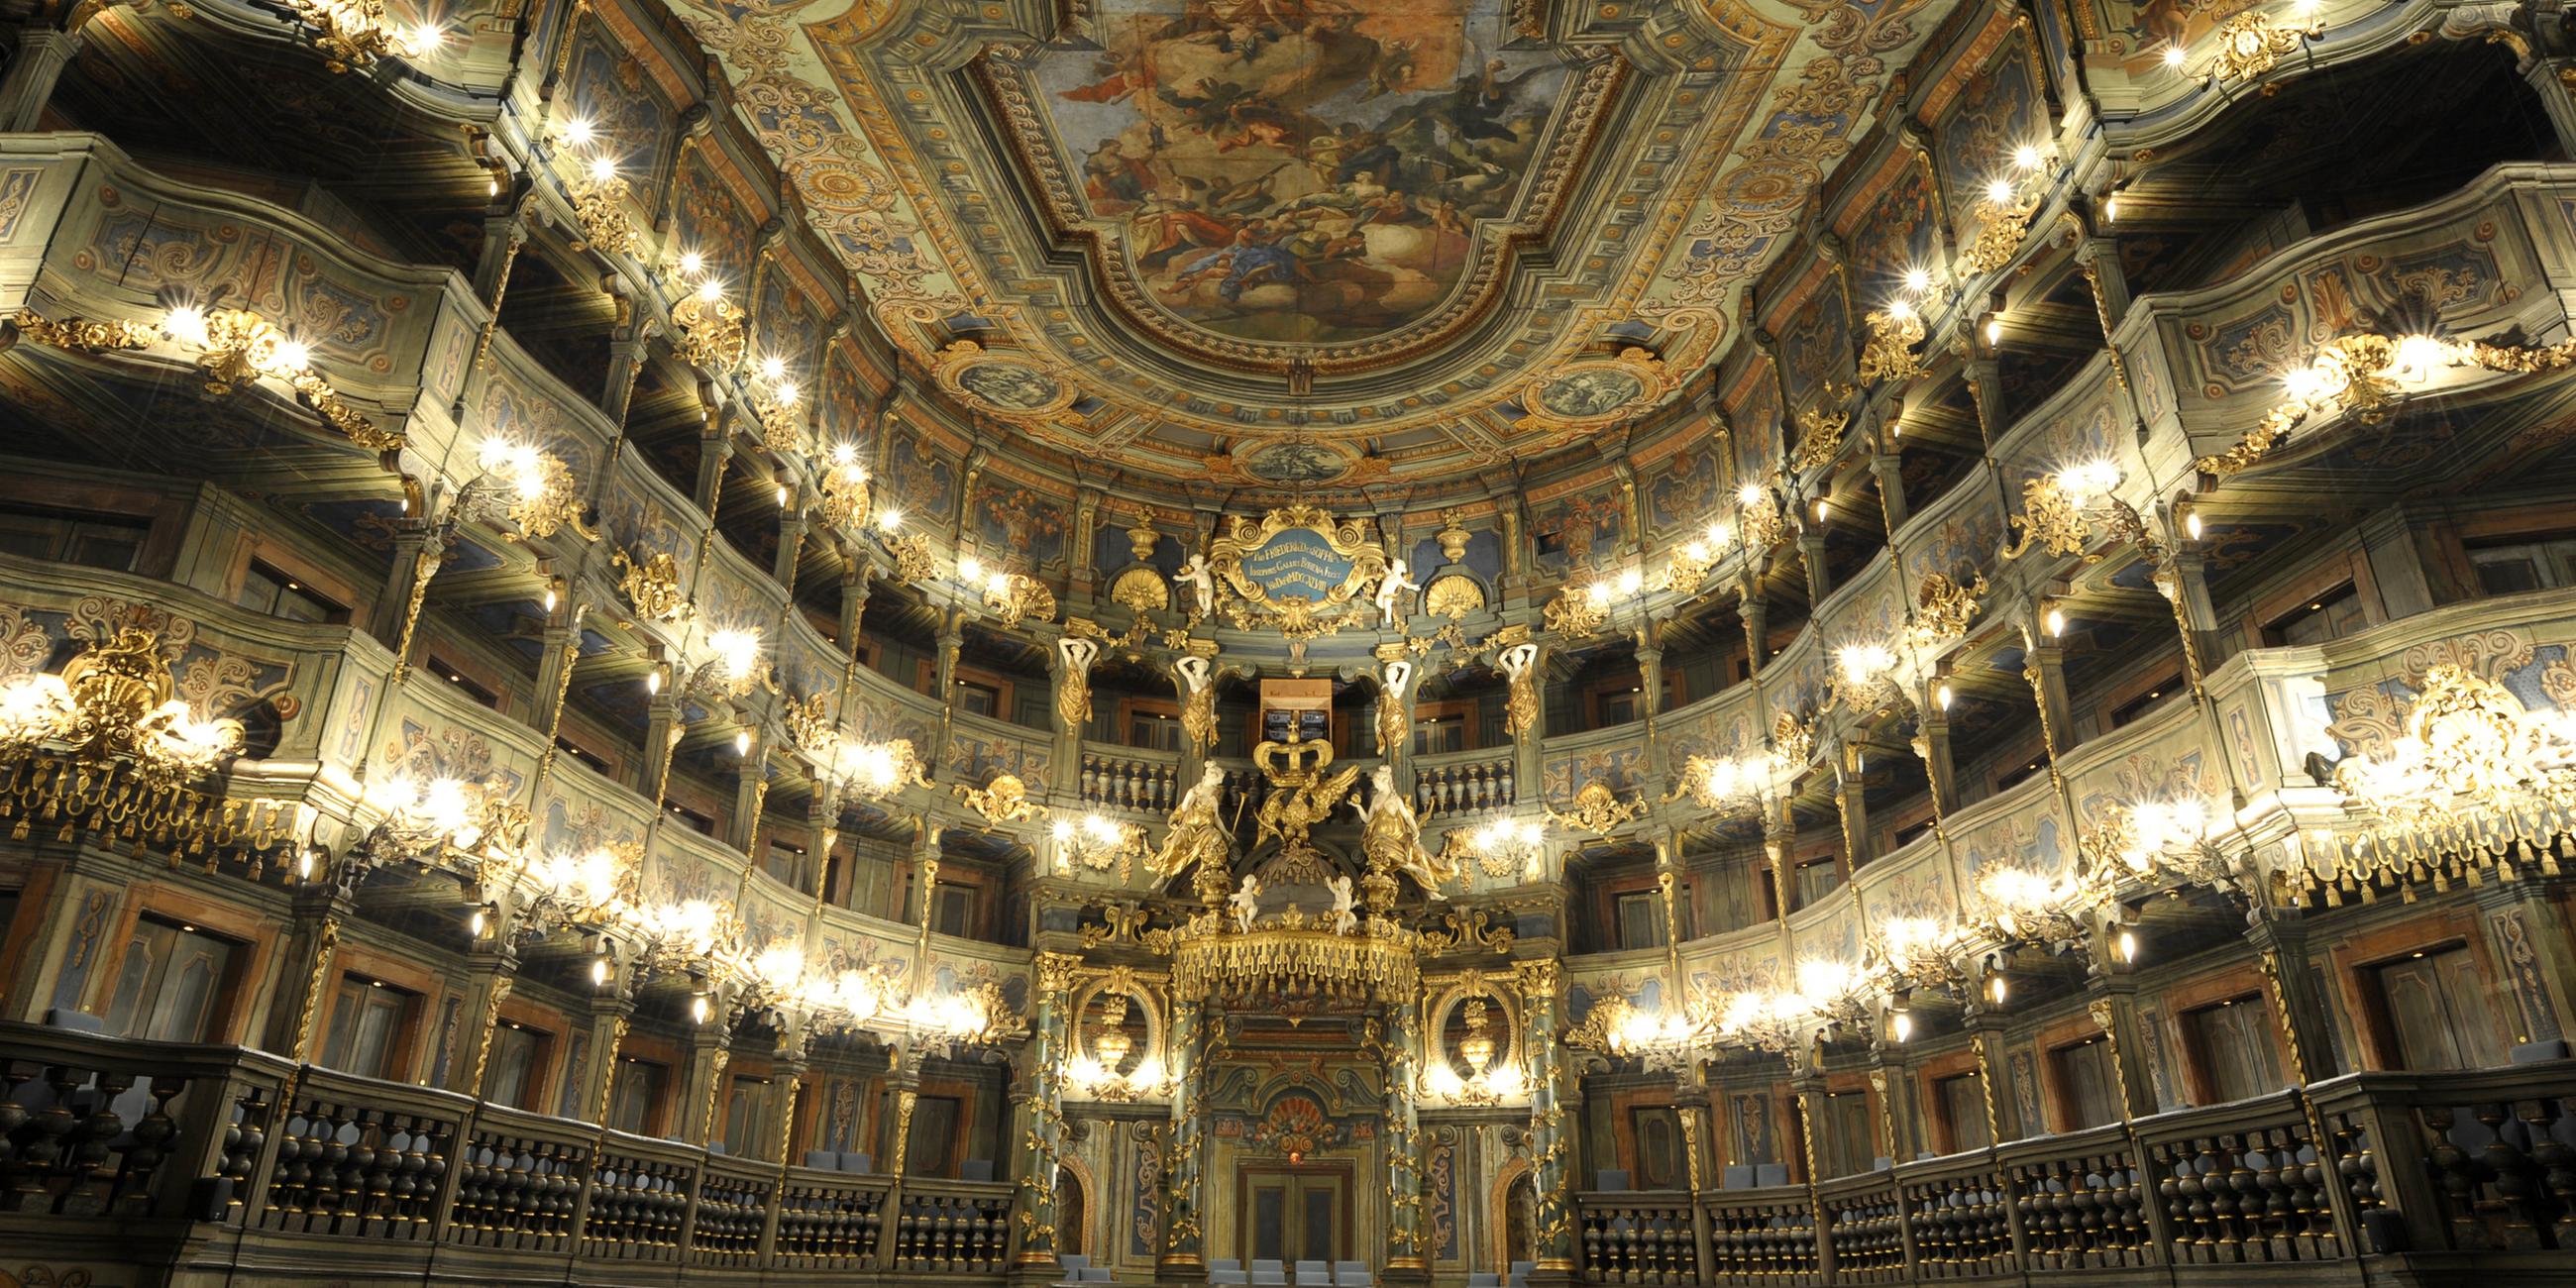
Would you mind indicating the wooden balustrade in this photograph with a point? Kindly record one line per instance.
(1642, 1238)
(2479, 1162)
(98, 1134)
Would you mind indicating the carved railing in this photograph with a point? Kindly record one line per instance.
(1465, 786)
(152, 1147)
(1130, 781)
(2434, 1166)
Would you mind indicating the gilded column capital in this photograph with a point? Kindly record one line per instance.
(1056, 973)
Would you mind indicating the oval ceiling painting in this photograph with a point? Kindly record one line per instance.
(1299, 171)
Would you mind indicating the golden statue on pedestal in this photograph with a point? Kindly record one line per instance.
(1195, 836)
(1391, 837)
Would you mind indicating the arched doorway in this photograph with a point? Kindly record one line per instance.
(1070, 1213)
(1520, 1220)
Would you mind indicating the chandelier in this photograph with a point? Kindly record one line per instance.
(2024, 906)
(1658, 1039)
(593, 889)
(2164, 838)
(2004, 208)
(1097, 843)
(114, 703)
(1918, 949)
(351, 35)
(1691, 564)
(871, 769)
(1013, 597)
(1728, 785)
(1505, 845)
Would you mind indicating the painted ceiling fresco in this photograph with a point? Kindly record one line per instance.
(1308, 241)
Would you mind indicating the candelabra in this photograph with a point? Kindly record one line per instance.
(1012, 597)
(115, 703)
(1097, 843)
(847, 497)
(352, 35)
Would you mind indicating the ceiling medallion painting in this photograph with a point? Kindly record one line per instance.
(1281, 243)
(1309, 173)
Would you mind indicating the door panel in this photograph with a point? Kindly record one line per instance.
(1294, 1214)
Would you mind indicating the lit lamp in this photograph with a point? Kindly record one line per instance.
(1477, 1048)
(1111, 1044)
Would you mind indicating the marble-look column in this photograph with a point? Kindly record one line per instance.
(490, 969)
(701, 1116)
(1182, 1259)
(305, 968)
(1551, 1134)
(1038, 1124)
(1408, 1237)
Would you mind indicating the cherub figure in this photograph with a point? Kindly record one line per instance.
(1201, 583)
(1345, 919)
(1390, 609)
(1247, 902)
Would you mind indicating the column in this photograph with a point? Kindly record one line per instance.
(490, 969)
(791, 540)
(1891, 1076)
(306, 968)
(1038, 1113)
(715, 449)
(2114, 1008)
(606, 1019)
(1887, 469)
(1551, 1135)
(2553, 82)
(413, 538)
(554, 684)
(786, 1076)
(1779, 842)
(2388, 541)
(1523, 714)
(2195, 613)
(1811, 552)
(701, 1111)
(1938, 765)
(854, 603)
(1851, 801)
(2280, 935)
(35, 68)
(1182, 1260)
(1650, 679)
(1408, 1238)
(1069, 676)
(1756, 612)
(750, 797)
(662, 730)
(2044, 666)
(1985, 1025)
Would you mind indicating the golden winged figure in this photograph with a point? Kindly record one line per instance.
(1301, 793)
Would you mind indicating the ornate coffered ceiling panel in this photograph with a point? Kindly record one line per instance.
(1282, 242)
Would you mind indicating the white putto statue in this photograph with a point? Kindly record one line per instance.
(1345, 917)
(1195, 577)
(1247, 902)
(1398, 579)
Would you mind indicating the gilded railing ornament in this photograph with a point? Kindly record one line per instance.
(1598, 810)
(352, 35)
(652, 586)
(1001, 802)
(913, 561)
(1889, 353)
(600, 197)
(2251, 44)
(1942, 610)
(711, 330)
